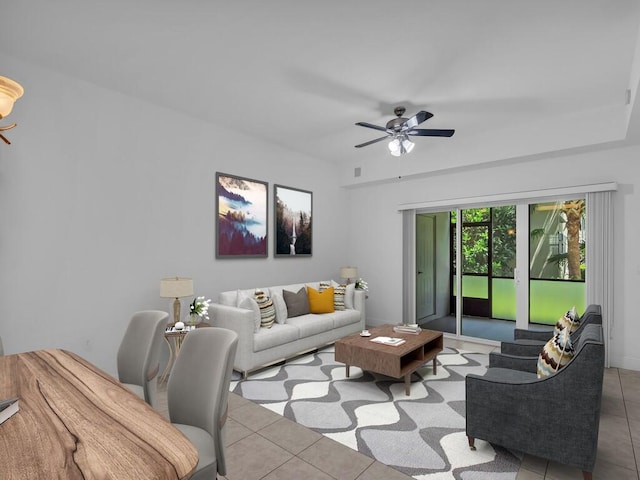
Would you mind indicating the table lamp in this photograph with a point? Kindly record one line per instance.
(348, 273)
(176, 287)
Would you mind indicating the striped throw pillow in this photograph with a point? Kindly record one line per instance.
(267, 310)
(339, 292)
(568, 321)
(555, 354)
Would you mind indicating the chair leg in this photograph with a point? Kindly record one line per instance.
(471, 442)
(587, 475)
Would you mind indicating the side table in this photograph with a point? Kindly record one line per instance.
(174, 338)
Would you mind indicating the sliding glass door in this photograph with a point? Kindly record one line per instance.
(468, 282)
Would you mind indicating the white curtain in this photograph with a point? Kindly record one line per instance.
(599, 261)
(408, 266)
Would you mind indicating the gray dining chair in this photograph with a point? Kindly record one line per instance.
(139, 353)
(198, 394)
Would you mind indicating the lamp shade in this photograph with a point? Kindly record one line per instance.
(10, 91)
(176, 287)
(348, 272)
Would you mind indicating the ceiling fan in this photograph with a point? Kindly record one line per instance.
(399, 129)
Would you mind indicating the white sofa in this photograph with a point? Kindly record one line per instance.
(259, 346)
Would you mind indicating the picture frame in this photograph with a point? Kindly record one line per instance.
(293, 214)
(241, 217)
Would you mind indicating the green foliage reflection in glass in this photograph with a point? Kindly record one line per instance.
(504, 241)
(475, 239)
(557, 246)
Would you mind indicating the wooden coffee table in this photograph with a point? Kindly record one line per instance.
(395, 361)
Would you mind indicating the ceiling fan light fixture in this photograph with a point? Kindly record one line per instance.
(407, 145)
(400, 145)
(394, 147)
(10, 91)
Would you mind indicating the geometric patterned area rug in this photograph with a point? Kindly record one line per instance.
(421, 435)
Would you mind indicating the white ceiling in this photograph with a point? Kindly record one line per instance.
(513, 77)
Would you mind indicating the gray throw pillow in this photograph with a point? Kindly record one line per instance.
(297, 303)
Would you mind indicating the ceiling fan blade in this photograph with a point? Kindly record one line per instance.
(373, 141)
(417, 119)
(371, 125)
(431, 132)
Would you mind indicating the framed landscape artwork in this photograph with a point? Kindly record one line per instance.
(293, 221)
(241, 205)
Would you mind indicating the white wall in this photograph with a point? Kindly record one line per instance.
(376, 226)
(102, 195)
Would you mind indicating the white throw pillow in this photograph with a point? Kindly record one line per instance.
(242, 294)
(250, 304)
(228, 298)
(281, 308)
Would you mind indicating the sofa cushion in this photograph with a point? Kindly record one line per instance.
(267, 310)
(292, 288)
(297, 303)
(274, 336)
(311, 324)
(281, 307)
(320, 302)
(341, 318)
(555, 354)
(251, 304)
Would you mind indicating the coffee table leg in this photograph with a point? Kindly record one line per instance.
(407, 384)
(347, 371)
(435, 369)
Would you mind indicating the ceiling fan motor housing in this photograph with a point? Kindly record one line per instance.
(396, 124)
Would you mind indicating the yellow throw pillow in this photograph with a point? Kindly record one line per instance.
(320, 302)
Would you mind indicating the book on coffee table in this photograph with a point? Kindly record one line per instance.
(388, 340)
(414, 330)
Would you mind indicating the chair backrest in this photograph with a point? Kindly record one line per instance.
(139, 352)
(592, 314)
(586, 369)
(198, 390)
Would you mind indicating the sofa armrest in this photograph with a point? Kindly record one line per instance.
(240, 320)
(522, 334)
(513, 362)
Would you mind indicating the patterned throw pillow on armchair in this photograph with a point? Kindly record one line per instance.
(555, 354)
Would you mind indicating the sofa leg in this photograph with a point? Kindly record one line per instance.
(471, 442)
(587, 475)
(245, 375)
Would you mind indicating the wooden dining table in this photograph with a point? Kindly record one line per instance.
(77, 422)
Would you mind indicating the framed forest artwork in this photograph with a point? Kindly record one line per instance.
(241, 206)
(293, 217)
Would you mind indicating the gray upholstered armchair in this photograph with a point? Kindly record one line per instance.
(556, 418)
(530, 342)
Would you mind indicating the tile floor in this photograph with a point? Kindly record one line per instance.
(262, 445)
